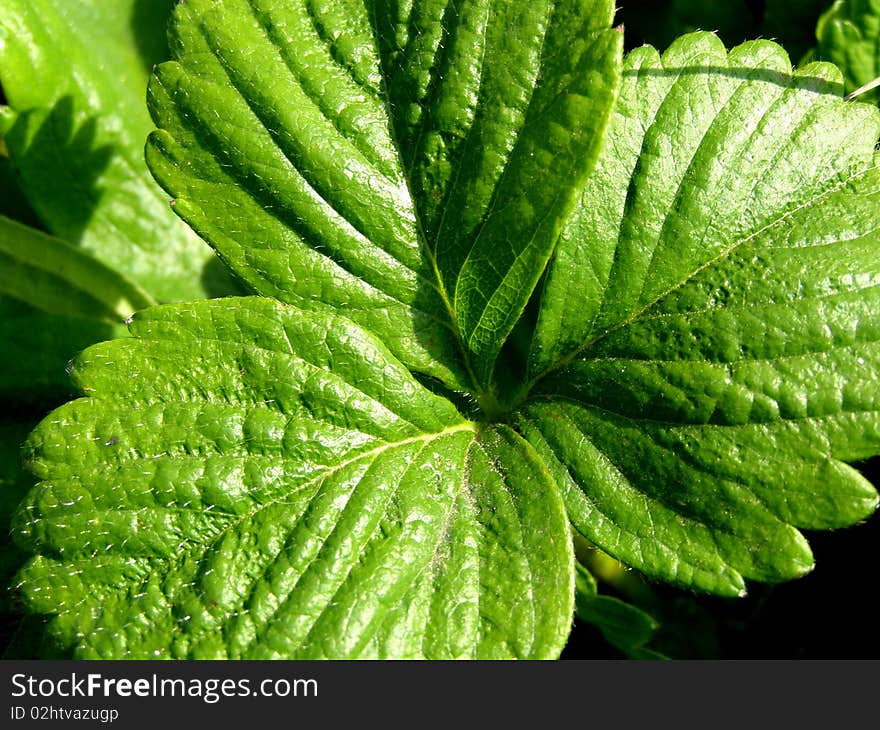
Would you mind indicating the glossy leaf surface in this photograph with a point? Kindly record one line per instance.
(270, 483)
(706, 351)
(381, 159)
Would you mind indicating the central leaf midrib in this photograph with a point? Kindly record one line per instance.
(202, 549)
(488, 402)
(467, 142)
(838, 295)
(694, 426)
(530, 583)
(744, 84)
(284, 601)
(430, 567)
(444, 47)
(438, 285)
(747, 360)
(378, 620)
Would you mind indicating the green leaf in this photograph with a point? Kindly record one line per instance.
(75, 77)
(849, 35)
(272, 477)
(706, 350)
(422, 223)
(622, 625)
(57, 278)
(474, 138)
(253, 480)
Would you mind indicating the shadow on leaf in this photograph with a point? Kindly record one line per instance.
(60, 164)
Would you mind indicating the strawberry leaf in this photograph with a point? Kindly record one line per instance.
(849, 35)
(276, 477)
(343, 153)
(705, 352)
(270, 483)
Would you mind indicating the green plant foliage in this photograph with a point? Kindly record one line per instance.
(423, 226)
(479, 325)
(702, 310)
(74, 75)
(849, 35)
(58, 278)
(624, 626)
(279, 486)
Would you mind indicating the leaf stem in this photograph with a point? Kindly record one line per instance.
(55, 277)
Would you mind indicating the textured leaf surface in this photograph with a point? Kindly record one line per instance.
(57, 278)
(252, 480)
(849, 35)
(393, 179)
(75, 74)
(706, 352)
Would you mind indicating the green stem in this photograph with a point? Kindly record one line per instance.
(58, 278)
